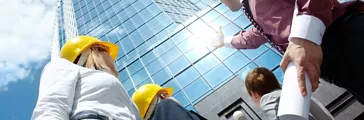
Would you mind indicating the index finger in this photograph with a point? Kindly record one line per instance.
(301, 79)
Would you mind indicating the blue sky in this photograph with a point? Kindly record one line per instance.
(26, 37)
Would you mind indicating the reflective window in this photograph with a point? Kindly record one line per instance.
(112, 2)
(242, 21)
(201, 29)
(236, 61)
(187, 44)
(196, 53)
(279, 75)
(127, 45)
(78, 14)
(224, 52)
(180, 96)
(130, 11)
(86, 17)
(161, 76)
(84, 10)
(122, 16)
(146, 15)
(137, 65)
(110, 12)
(154, 9)
(120, 51)
(221, 8)
(132, 54)
(136, 38)
(130, 92)
(127, 84)
(171, 29)
(100, 9)
(154, 67)
(112, 37)
(106, 4)
(196, 89)
(187, 76)
(233, 15)
(103, 17)
(217, 75)
(269, 60)
(164, 20)
(212, 15)
(254, 53)
(155, 26)
(206, 63)
(129, 26)
(145, 32)
(181, 36)
(90, 5)
(178, 65)
(138, 6)
(164, 47)
(96, 21)
(125, 3)
(149, 57)
(146, 2)
(143, 48)
(79, 22)
(123, 75)
(230, 30)
(220, 21)
(117, 8)
(243, 72)
(171, 55)
(97, 2)
(147, 81)
(172, 83)
(114, 21)
(137, 20)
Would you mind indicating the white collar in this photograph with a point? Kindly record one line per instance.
(241, 1)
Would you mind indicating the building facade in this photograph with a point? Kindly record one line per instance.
(167, 42)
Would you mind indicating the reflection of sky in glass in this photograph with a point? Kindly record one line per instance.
(243, 72)
(217, 75)
(165, 48)
(269, 60)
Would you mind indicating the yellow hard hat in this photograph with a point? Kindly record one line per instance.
(144, 95)
(75, 46)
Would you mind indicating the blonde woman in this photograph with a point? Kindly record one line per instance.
(83, 84)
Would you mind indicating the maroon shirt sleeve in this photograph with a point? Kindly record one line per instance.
(322, 9)
(250, 39)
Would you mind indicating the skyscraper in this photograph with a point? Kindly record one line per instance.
(166, 42)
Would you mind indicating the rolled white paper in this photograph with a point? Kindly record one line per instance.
(292, 105)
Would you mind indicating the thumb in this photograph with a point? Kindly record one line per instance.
(220, 31)
(284, 63)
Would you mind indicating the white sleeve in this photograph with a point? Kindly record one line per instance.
(227, 41)
(56, 91)
(307, 27)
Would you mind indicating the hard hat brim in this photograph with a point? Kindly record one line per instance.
(169, 90)
(113, 48)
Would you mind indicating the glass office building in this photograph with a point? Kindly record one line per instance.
(166, 42)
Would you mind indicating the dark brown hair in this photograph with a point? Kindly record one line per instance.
(262, 81)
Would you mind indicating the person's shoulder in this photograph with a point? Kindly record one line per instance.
(271, 97)
(60, 63)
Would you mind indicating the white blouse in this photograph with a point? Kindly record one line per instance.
(66, 89)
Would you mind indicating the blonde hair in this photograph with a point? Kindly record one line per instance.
(96, 61)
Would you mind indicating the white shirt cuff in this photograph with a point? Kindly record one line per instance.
(227, 41)
(307, 27)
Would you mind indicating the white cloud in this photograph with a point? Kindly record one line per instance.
(26, 28)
